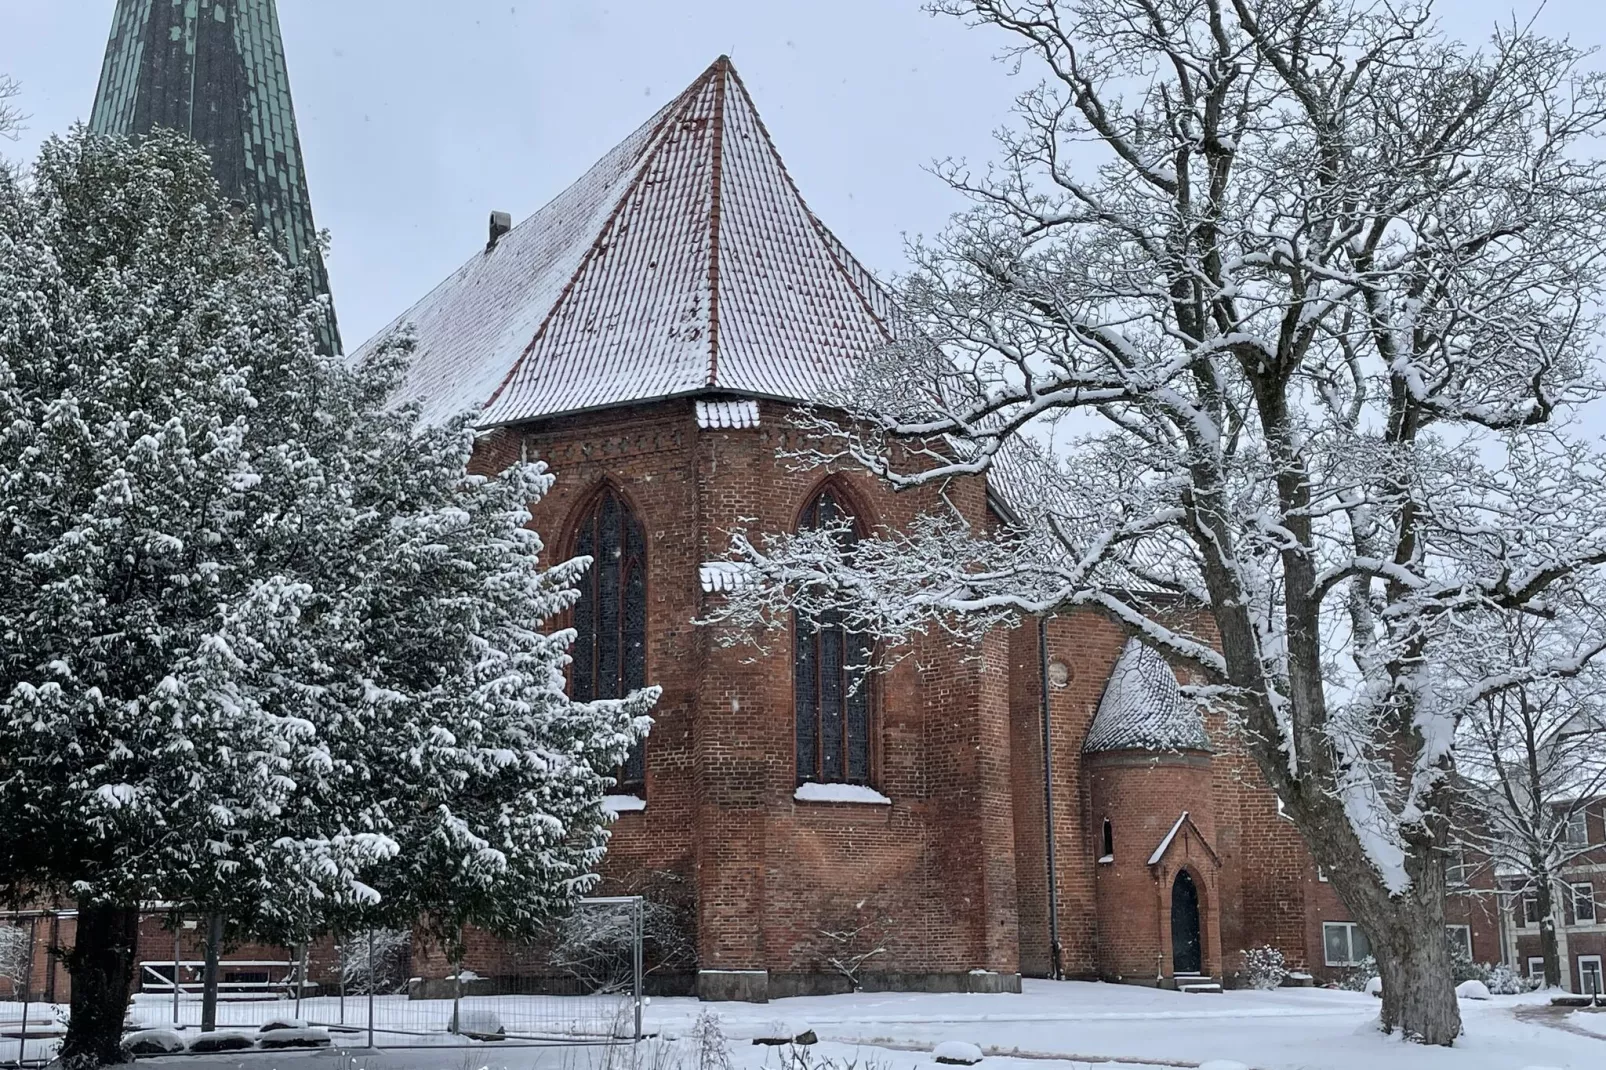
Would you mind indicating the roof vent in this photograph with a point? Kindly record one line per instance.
(501, 223)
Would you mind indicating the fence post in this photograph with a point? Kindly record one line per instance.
(178, 936)
(341, 943)
(638, 912)
(27, 991)
(301, 977)
(371, 987)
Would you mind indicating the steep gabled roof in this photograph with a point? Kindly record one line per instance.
(1143, 709)
(684, 262)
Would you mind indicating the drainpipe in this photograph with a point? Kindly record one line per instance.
(1056, 954)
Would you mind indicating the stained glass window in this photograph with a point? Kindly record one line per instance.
(610, 619)
(830, 668)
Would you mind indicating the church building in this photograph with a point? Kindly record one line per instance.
(1049, 807)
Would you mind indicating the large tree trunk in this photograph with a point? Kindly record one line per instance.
(101, 963)
(1413, 961)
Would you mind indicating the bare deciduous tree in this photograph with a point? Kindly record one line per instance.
(1270, 306)
(10, 117)
(1532, 757)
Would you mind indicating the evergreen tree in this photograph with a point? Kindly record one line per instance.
(266, 647)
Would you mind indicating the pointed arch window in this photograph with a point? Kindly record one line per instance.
(830, 676)
(610, 618)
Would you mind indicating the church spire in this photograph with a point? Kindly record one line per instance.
(215, 70)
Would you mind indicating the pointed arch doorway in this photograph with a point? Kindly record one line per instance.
(1186, 955)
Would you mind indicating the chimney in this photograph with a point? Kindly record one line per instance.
(501, 223)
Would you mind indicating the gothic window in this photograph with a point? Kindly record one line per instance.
(610, 619)
(830, 676)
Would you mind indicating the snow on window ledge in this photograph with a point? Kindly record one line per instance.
(839, 793)
(622, 804)
(1106, 860)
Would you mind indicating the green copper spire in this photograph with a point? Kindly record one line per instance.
(216, 71)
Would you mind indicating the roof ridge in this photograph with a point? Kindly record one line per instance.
(715, 182)
(833, 245)
(656, 142)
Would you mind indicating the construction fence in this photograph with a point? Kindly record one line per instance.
(581, 984)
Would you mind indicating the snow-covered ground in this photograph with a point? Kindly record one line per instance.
(1066, 1026)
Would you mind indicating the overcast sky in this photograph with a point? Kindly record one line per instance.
(419, 117)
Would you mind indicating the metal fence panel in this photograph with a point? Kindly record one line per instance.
(582, 984)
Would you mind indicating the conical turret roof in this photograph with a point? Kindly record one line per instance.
(684, 262)
(1143, 709)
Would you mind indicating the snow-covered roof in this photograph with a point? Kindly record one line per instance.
(684, 261)
(1142, 707)
(723, 577)
(1165, 844)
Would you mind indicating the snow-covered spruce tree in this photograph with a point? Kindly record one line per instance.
(1299, 291)
(1532, 756)
(265, 647)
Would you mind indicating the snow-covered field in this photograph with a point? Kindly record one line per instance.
(1067, 1026)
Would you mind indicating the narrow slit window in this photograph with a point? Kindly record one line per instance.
(1109, 840)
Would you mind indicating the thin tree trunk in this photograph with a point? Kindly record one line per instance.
(101, 963)
(214, 951)
(1549, 947)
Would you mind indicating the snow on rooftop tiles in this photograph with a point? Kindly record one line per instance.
(684, 261)
(1143, 709)
(727, 415)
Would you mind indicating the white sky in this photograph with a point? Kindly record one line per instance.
(419, 117)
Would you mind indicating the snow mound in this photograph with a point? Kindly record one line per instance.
(956, 1053)
(839, 793)
(1374, 987)
(1223, 1064)
(784, 1031)
(208, 1042)
(153, 1042)
(1473, 989)
(282, 1023)
(295, 1038)
(480, 1023)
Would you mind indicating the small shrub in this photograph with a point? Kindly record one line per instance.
(1355, 980)
(1264, 968)
(1505, 981)
(1463, 969)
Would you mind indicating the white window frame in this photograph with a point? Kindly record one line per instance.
(1536, 965)
(1456, 868)
(1577, 830)
(1584, 962)
(1350, 929)
(1451, 930)
(1585, 893)
(1522, 916)
(1321, 874)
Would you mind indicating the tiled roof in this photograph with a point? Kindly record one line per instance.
(1142, 708)
(723, 577)
(684, 261)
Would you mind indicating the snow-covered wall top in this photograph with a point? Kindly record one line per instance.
(1143, 709)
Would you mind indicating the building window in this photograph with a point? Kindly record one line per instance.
(1460, 939)
(1456, 869)
(1345, 943)
(1530, 911)
(1536, 967)
(1321, 874)
(610, 618)
(1589, 978)
(830, 676)
(1108, 854)
(1577, 831)
(1584, 904)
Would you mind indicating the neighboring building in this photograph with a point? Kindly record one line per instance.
(1581, 938)
(216, 71)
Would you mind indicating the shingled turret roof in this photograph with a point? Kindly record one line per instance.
(684, 262)
(1143, 709)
